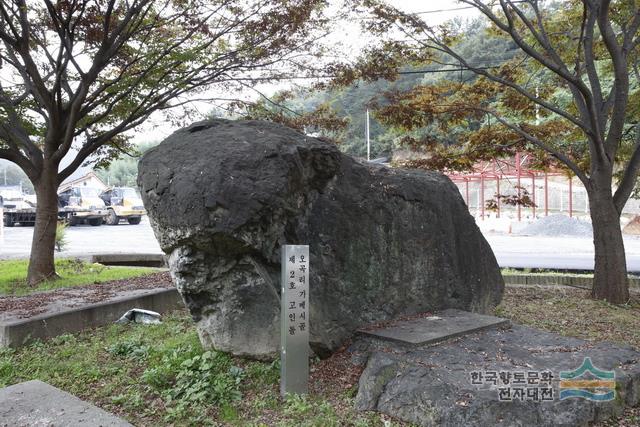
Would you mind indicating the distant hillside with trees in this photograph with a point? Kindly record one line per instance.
(123, 172)
(352, 102)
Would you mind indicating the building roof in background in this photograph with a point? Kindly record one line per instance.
(78, 179)
(78, 173)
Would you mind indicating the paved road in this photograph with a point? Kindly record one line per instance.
(570, 253)
(511, 251)
(86, 240)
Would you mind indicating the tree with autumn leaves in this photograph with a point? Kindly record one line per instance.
(570, 96)
(77, 75)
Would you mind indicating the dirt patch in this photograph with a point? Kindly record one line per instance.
(336, 375)
(37, 303)
(572, 312)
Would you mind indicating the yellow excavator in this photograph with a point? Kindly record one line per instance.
(123, 203)
(81, 204)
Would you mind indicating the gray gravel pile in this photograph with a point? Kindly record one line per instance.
(558, 225)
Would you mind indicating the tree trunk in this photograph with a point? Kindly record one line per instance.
(610, 281)
(41, 262)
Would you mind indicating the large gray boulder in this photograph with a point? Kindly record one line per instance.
(223, 196)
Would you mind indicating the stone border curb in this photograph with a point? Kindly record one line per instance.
(129, 259)
(562, 280)
(17, 333)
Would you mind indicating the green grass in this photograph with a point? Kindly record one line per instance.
(72, 272)
(160, 375)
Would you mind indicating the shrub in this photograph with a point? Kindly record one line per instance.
(61, 241)
(130, 349)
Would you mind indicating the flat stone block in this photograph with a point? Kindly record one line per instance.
(440, 327)
(38, 404)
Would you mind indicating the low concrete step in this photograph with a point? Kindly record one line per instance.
(131, 260)
(557, 279)
(73, 314)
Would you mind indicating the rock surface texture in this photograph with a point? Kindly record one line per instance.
(434, 385)
(223, 196)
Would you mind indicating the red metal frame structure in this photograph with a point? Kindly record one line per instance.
(516, 168)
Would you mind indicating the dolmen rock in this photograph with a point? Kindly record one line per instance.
(223, 196)
(500, 377)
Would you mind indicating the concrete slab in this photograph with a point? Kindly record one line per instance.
(440, 327)
(130, 259)
(38, 404)
(71, 313)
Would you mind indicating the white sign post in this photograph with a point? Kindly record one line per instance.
(294, 314)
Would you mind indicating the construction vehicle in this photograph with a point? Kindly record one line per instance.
(18, 207)
(81, 204)
(123, 203)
